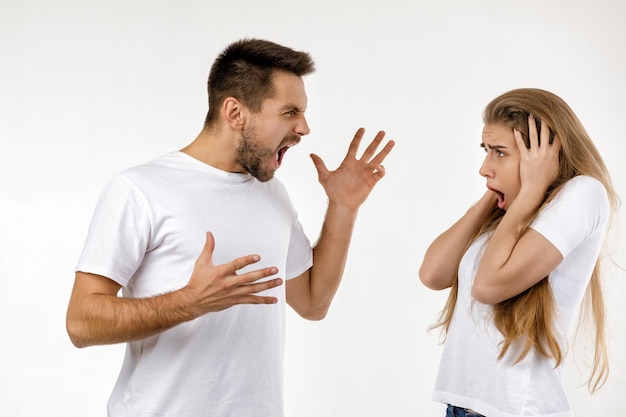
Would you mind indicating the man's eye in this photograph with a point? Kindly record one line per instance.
(499, 154)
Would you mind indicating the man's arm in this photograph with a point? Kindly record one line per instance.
(347, 188)
(96, 315)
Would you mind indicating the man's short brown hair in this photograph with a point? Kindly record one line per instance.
(244, 71)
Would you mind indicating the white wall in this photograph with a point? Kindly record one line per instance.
(89, 88)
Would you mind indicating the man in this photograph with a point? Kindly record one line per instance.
(198, 343)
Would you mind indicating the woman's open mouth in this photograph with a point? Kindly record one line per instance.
(501, 198)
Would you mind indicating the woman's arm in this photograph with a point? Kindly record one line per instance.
(441, 262)
(514, 261)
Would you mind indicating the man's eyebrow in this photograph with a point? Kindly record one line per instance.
(290, 107)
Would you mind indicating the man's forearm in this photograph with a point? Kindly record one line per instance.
(330, 254)
(106, 319)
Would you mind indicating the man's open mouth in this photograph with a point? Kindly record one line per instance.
(281, 153)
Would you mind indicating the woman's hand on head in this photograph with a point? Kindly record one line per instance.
(539, 164)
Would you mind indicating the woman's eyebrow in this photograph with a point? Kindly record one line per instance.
(483, 145)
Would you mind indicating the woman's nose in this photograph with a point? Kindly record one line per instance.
(485, 169)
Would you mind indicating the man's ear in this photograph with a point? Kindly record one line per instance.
(234, 113)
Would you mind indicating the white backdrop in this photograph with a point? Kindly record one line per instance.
(90, 88)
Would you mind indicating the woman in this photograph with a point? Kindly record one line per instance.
(520, 262)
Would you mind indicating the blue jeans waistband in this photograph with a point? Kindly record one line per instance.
(453, 411)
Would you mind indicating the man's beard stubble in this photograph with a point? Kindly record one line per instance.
(251, 156)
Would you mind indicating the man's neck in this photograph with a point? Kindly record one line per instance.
(215, 148)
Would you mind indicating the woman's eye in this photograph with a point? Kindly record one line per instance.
(499, 154)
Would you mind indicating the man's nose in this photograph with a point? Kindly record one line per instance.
(302, 127)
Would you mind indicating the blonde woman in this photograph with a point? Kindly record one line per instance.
(521, 261)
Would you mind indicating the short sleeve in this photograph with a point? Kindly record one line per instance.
(578, 212)
(300, 256)
(119, 233)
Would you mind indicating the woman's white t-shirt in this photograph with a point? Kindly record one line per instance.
(470, 374)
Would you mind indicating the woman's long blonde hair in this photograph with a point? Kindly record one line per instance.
(529, 316)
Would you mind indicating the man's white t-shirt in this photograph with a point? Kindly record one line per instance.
(147, 231)
(470, 374)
